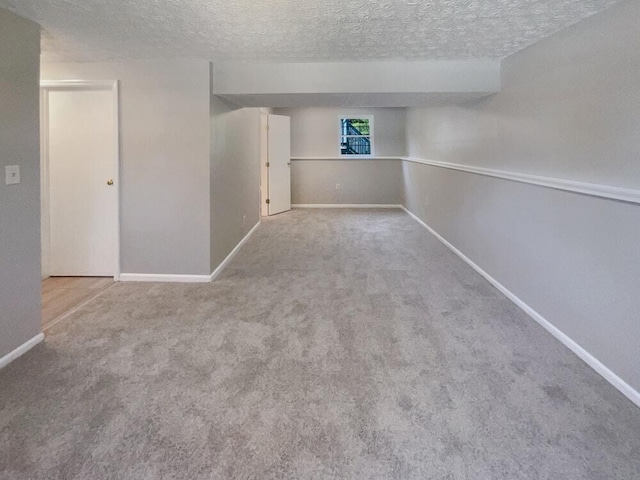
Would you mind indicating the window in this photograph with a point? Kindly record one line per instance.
(356, 135)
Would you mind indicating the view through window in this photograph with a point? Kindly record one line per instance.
(356, 136)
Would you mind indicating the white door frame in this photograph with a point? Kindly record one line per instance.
(46, 87)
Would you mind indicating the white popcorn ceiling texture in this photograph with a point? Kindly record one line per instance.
(296, 30)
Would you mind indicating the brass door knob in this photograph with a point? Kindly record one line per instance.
(109, 182)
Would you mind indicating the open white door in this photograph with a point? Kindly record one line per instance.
(279, 164)
(81, 143)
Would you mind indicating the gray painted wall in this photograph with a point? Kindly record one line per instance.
(570, 108)
(361, 182)
(235, 176)
(165, 140)
(315, 132)
(19, 204)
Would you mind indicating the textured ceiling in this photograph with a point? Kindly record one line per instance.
(296, 30)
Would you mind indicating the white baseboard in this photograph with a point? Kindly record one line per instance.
(233, 253)
(21, 350)
(344, 205)
(153, 277)
(583, 354)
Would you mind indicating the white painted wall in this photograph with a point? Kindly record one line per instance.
(165, 141)
(569, 108)
(234, 174)
(19, 204)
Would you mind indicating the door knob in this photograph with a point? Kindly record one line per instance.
(109, 182)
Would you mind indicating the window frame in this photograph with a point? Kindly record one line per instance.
(370, 136)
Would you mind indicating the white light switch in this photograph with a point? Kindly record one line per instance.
(12, 174)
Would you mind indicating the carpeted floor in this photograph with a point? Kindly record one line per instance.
(338, 344)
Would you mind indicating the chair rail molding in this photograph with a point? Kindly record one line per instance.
(592, 189)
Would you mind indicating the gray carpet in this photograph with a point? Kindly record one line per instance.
(338, 344)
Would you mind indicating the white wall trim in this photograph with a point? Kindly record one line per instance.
(21, 350)
(583, 354)
(344, 205)
(591, 189)
(161, 277)
(233, 253)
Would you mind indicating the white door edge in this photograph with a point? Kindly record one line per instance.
(279, 186)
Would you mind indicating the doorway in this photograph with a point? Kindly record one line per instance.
(80, 191)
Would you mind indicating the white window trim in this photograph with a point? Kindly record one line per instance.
(370, 137)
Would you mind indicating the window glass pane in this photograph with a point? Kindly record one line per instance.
(355, 146)
(355, 126)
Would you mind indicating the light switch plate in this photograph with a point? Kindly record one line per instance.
(12, 174)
